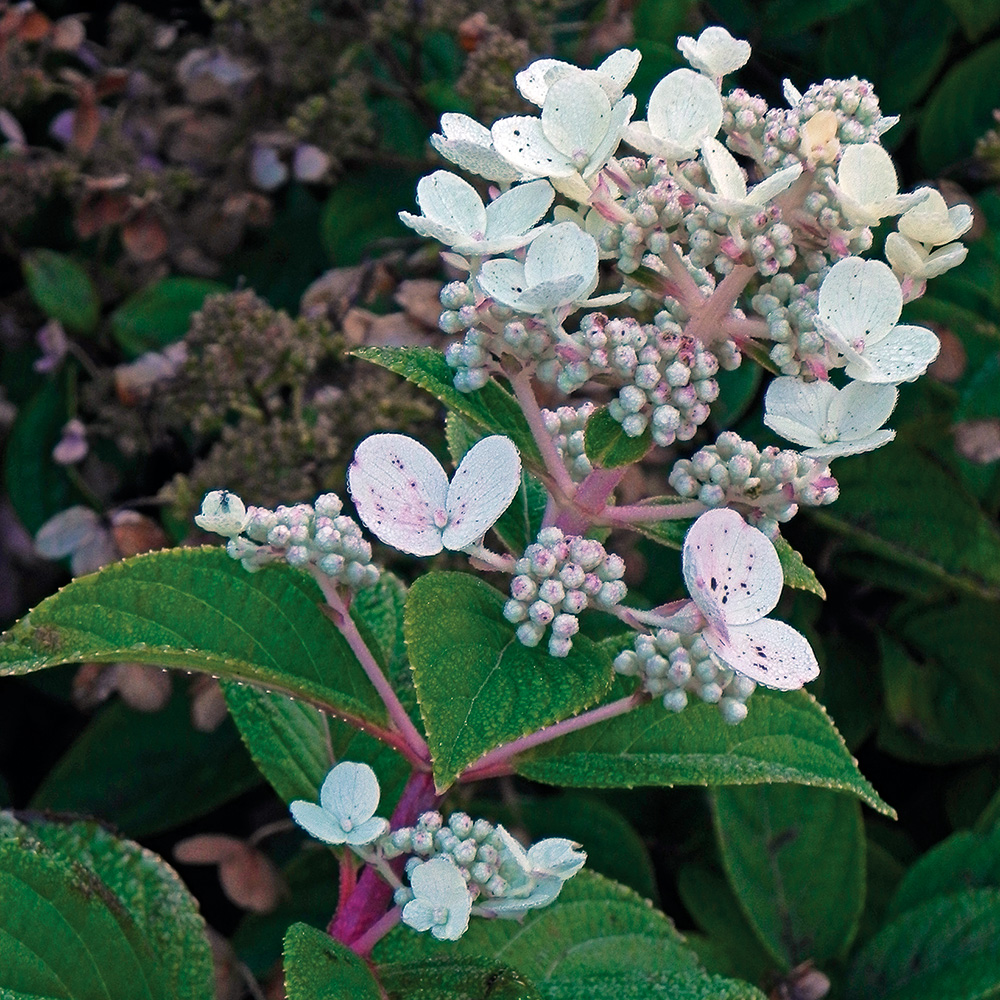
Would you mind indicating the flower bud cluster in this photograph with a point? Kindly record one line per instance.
(567, 425)
(493, 865)
(675, 665)
(766, 485)
(305, 535)
(790, 312)
(779, 137)
(558, 577)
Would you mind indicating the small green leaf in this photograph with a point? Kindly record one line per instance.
(317, 966)
(160, 313)
(478, 686)
(966, 859)
(62, 289)
(64, 934)
(491, 409)
(959, 109)
(944, 949)
(199, 610)
(607, 444)
(918, 517)
(688, 985)
(156, 899)
(38, 488)
(171, 773)
(787, 737)
(465, 979)
(795, 858)
(671, 534)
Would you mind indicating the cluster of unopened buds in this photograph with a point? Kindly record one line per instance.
(316, 536)
(455, 868)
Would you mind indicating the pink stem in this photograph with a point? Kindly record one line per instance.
(521, 384)
(705, 323)
(497, 762)
(363, 944)
(686, 291)
(372, 895)
(639, 513)
(349, 630)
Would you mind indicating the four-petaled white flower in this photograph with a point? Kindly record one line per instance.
(827, 420)
(441, 902)
(868, 188)
(731, 196)
(613, 75)
(716, 53)
(684, 109)
(933, 222)
(454, 214)
(346, 813)
(560, 269)
(223, 513)
(470, 145)
(534, 877)
(734, 577)
(859, 304)
(911, 259)
(577, 133)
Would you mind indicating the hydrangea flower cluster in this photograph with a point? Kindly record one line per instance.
(559, 576)
(305, 535)
(768, 485)
(452, 865)
(567, 425)
(673, 665)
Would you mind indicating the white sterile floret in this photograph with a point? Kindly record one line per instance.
(223, 513)
(560, 269)
(715, 53)
(827, 420)
(441, 902)
(454, 214)
(734, 577)
(346, 811)
(577, 133)
(933, 222)
(859, 304)
(911, 259)
(470, 145)
(684, 109)
(731, 196)
(868, 188)
(613, 75)
(403, 496)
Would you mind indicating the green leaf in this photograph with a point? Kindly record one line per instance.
(944, 949)
(960, 109)
(941, 703)
(361, 210)
(787, 737)
(170, 775)
(478, 686)
(466, 979)
(737, 390)
(312, 879)
(38, 488)
(151, 892)
(966, 859)
(160, 313)
(795, 858)
(789, 17)
(64, 934)
(883, 873)
(976, 16)
(317, 966)
(671, 534)
(595, 927)
(491, 409)
(608, 446)
(917, 516)
(199, 610)
(689, 985)
(62, 289)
